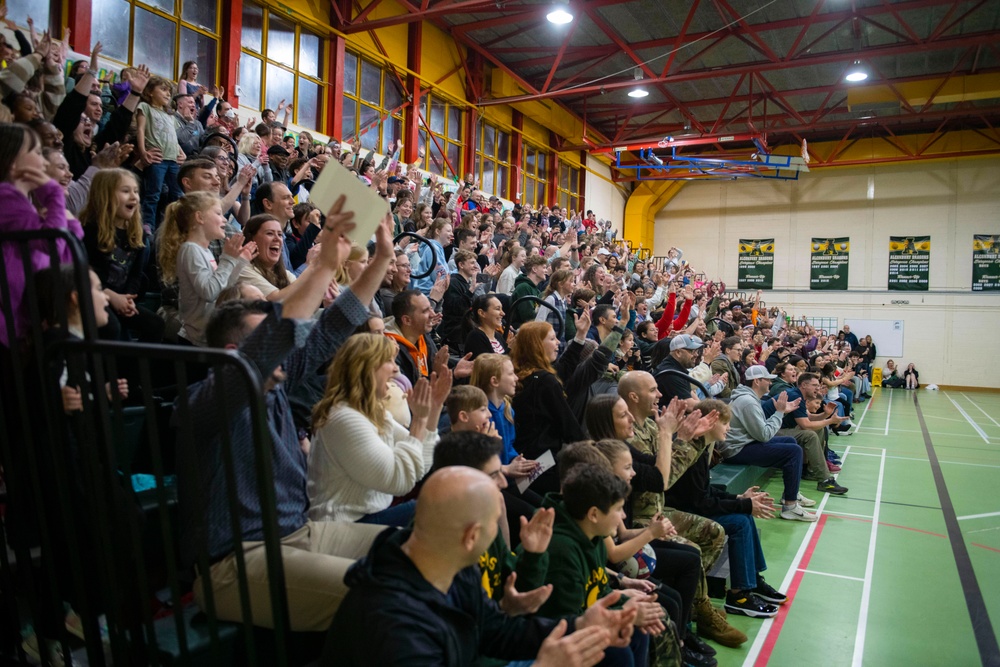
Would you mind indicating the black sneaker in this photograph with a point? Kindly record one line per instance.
(696, 644)
(830, 486)
(766, 592)
(695, 659)
(748, 604)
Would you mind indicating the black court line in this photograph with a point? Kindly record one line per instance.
(986, 639)
(883, 502)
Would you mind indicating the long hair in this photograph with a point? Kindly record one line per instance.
(600, 418)
(277, 275)
(590, 277)
(351, 379)
(102, 205)
(14, 138)
(557, 278)
(527, 352)
(611, 448)
(154, 83)
(471, 320)
(484, 369)
(357, 252)
(184, 69)
(177, 222)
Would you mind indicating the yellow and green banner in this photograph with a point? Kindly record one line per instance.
(756, 264)
(986, 262)
(829, 263)
(909, 263)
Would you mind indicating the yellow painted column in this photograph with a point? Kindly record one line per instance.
(643, 204)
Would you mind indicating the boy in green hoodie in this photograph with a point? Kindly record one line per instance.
(589, 509)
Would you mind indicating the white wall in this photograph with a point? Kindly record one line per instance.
(949, 331)
(602, 197)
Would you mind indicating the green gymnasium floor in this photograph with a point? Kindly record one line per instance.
(877, 580)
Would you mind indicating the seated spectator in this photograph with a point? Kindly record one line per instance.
(749, 595)
(484, 323)
(118, 251)
(418, 596)
(251, 151)
(468, 410)
(458, 298)
(752, 438)
(732, 350)
(542, 413)
(505, 284)
(591, 507)
(439, 235)
(912, 377)
(32, 200)
(682, 356)
(361, 457)
(316, 555)
(189, 225)
(536, 269)
(891, 377)
(494, 374)
(412, 321)
(267, 271)
(808, 425)
(77, 191)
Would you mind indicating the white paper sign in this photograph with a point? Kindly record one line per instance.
(545, 461)
(368, 207)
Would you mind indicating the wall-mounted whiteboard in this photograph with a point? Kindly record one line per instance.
(886, 334)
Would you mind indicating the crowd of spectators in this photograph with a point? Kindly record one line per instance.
(532, 334)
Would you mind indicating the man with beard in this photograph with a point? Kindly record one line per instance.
(683, 356)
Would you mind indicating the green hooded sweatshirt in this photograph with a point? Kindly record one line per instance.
(576, 566)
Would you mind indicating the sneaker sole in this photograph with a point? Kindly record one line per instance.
(834, 492)
(796, 517)
(750, 612)
(772, 600)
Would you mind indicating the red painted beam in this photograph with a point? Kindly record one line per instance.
(411, 117)
(232, 35)
(422, 15)
(79, 25)
(957, 42)
(335, 91)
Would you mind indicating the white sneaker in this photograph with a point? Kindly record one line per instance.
(796, 513)
(805, 502)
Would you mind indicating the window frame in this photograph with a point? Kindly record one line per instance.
(386, 114)
(495, 158)
(536, 174)
(180, 24)
(569, 197)
(319, 80)
(444, 138)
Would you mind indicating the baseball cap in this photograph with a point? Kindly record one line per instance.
(603, 251)
(278, 149)
(758, 373)
(686, 342)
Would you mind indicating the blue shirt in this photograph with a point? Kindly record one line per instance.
(505, 429)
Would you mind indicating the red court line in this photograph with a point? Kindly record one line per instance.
(779, 620)
(915, 530)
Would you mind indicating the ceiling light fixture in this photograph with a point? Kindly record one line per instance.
(560, 14)
(638, 91)
(857, 72)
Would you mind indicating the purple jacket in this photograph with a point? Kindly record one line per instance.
(18, 214)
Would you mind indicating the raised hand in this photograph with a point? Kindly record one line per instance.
(583, 648)
(94, 52)
(419, 400)
(671, 416)
(582, 321)
(516, 603)
(463, 368)
(536, 534)
(32, 177)
(440, 386)
(140, 77)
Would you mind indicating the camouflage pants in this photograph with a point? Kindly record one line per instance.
(666, 647)
(700, 532)
(813, 454)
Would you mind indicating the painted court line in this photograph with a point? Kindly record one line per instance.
(978, 516)
(981, 410)
(865, 413)
(866, 591)
(763, 643)
(945, 435)
(830, 574)
(954, 463)
(861, 516)
(958, 407)
(887, 415)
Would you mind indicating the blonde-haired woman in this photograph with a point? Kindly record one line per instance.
(361, 457)
(251, 151)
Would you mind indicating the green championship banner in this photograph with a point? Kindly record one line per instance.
(986, 262)
(830, 259)
(756, 267)
(909, 263)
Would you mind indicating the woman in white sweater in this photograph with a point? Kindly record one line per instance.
(361, 457)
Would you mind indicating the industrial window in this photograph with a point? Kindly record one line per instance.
(568, 187)
(440, 149)
(281, 60)
(534, 167)
(493, 160)
(373, 104)
(163, 34)
(18, 11)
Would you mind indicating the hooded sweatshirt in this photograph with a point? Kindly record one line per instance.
(749, 423)
(393, 616)
(576, 566)
(525, 312)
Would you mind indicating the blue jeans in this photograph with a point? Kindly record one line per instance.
(153, 178)
(780, 452)
(398, 515)
(746, 558)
